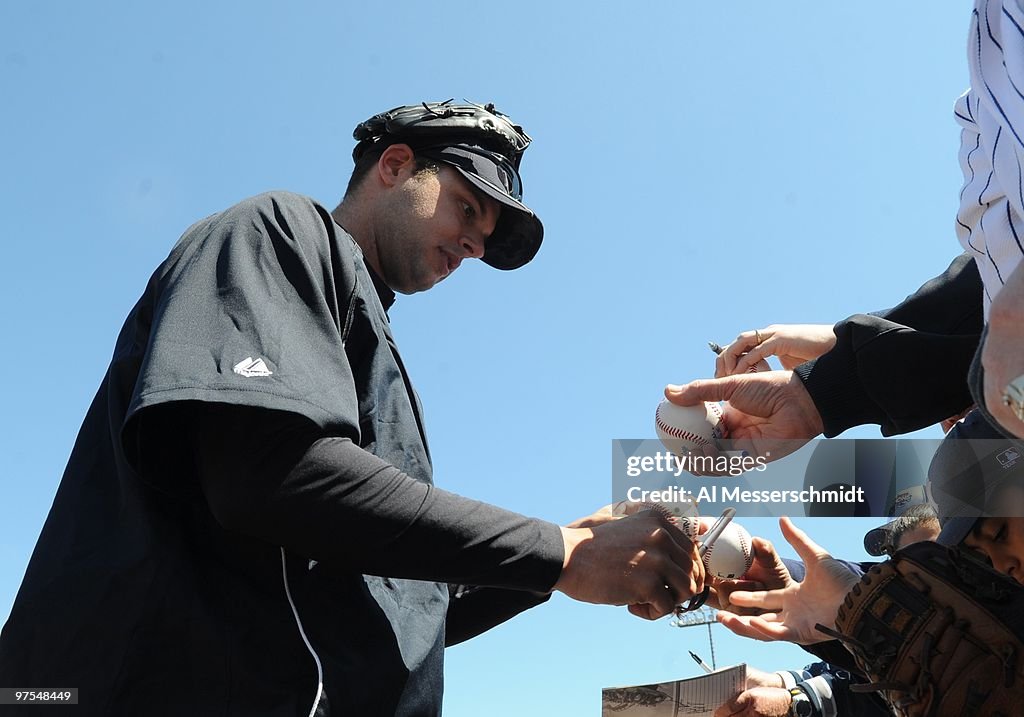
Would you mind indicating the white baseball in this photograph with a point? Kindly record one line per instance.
(731, 555)
(690, 526)
(687, 429)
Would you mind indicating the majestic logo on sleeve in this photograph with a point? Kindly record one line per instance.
(248, 367)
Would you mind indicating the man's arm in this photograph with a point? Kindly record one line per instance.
(768, 694)
(274, 477)
(904, 368)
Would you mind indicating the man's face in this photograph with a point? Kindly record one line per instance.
(1002, 539)
(428, 223)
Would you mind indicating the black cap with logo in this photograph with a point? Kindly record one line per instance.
(968, 474)
(485, 147)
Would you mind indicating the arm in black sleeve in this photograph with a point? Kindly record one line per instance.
(950, 303)
(273, 476)
(906, 367)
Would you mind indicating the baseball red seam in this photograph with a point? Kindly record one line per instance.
(707, 558)
(748, 554)
(678, 432)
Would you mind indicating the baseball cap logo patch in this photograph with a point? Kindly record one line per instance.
(1008, 458)
(901, 502)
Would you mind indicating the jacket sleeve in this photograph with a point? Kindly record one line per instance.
(906, 367)
(273, 476)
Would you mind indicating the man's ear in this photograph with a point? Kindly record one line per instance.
(392, 161)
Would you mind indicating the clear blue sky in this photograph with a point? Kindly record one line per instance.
(701, 169)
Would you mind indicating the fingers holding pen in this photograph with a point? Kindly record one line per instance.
(792, 344)
(642, 560)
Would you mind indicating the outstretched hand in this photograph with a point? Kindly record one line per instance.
(791, 613)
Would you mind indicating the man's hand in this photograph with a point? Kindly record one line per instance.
(1002, 355)
(759, 678)
(611, 512)
(792, 612)
(767, 572)
(768, 414)
(757, 702)
(642, 560)
(793, 344)
(615, 511)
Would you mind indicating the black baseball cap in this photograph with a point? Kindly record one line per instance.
(972, 462)
(518, 234)
(878, 541)
(485, 146)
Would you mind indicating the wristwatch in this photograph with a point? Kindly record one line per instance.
(801, 705)
(1013, 397)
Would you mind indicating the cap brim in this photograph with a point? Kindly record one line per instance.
(876, 540)
(965, 473)
(954, 530)
(972, 460)
(518, 234)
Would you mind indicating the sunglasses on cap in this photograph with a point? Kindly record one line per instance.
(492, 168)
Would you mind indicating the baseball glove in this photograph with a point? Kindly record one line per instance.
(432, 122)
(938, 633)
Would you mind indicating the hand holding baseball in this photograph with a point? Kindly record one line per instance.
(792, 344)
(792, 612)
(643, 560)
(688, 429)
(766, 572)
(768, 412)
(684, 515)
(730, 555)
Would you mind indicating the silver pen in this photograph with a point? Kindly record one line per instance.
(715, 530)
(753, 369)
(696, 658)
(706, 541)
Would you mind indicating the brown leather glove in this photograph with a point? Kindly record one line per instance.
(938, 633)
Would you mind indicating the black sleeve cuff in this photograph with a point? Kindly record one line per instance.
(888, 374)
(832, 382)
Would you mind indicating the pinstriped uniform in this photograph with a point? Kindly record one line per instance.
(990, 221)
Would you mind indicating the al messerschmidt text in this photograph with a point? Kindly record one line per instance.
(735, 494)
